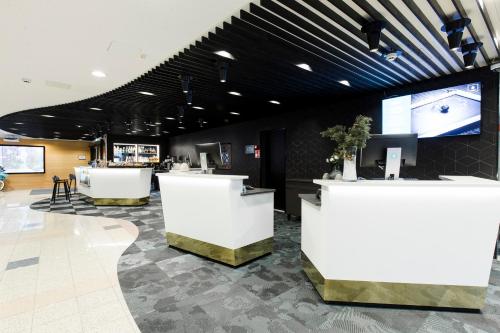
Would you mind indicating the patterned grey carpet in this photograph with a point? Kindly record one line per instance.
(171, 291)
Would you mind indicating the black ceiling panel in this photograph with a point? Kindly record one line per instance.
(267, 41)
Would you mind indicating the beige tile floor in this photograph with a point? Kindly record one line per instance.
(74, 287)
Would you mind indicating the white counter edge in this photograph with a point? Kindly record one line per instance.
(445, 181)
(202, 175)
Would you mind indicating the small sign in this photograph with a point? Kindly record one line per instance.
(257, 152)
(249, 149)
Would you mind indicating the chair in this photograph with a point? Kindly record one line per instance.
(57, 184)
(72, 180)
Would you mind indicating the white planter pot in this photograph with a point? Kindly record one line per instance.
(349, 173)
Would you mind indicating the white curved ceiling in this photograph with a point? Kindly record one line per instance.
(56, 44)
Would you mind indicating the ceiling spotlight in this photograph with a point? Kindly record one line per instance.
(235, 93)
(469, 53)
(189, 97)
(181, 127)
(166, 132)
(223, 67)
(455, 29)
(128, 133)
(305, 66)
(18, 123)
(13, 129)
(57, 132)
(96, 109)
(373, 31)
(225, 54)
(98, 74)
(345, 83)
(157, 123)
(48, 116)
(169, 118)
(146, 93)
(201, 122)
(274, 102)
(198, 108)
(185, 82)
(234, 113)
(79, 126)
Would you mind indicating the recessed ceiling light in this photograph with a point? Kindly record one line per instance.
(146, 93)
(345, 83)
(198, 108)
(48, 116)
(235, 93)
(18, 123)
(166, 132)
(96, 109)
(169, 118)
(128, 133)
(234, 113)
(134, 131)
(224, 54)
(13, 129)
(57, 132)
(79, 126)
(304, 66)
(97, 73)
(274, 102)
(205, 122)
(157, 123)
(181, 127)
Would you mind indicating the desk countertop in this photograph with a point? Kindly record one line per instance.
(258, 191)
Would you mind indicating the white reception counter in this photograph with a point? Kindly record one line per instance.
(425, 243)
(115, 186)
(210, 216)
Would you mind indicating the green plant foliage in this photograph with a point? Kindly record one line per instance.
(346, 139)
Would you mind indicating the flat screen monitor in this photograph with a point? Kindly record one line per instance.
(22, 159)
(213, 151)
(450, 111)
(375, 153)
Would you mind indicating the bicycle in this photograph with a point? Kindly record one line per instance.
(3, 177)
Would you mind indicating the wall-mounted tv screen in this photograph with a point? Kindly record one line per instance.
(22, 159)
(450, 111)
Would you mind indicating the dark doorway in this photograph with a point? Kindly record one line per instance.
(273, 163)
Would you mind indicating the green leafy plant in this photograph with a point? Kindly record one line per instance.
(346, 139)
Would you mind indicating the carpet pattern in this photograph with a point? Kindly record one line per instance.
(168, 290)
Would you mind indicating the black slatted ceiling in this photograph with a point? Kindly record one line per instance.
(268, 41)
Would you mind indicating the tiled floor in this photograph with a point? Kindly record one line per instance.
(173, 291)
(58, 273)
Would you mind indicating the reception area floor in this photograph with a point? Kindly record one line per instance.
(58, 273)
(168, 290)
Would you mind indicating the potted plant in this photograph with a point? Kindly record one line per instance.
(348, 141)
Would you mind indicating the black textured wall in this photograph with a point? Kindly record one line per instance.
(307, 151)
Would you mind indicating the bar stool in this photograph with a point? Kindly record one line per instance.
(72, 180)
(57, 184)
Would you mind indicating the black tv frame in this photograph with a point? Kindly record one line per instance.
(27, 173)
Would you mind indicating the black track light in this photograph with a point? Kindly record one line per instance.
(455, 29)
(469, 53)
(180, 111)
(189, 97)
(223, 67)
(185, 82)
(373, 31)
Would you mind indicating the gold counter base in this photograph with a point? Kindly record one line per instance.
(466, 297)
(119, 202)
(233, 257)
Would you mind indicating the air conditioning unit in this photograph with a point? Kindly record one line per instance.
(11, 139)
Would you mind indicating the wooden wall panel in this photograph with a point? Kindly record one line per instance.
(60, 159)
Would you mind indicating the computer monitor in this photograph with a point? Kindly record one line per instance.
(212, 151)
(390, 152)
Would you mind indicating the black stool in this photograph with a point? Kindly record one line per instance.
(57, 184)
(72, 180)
